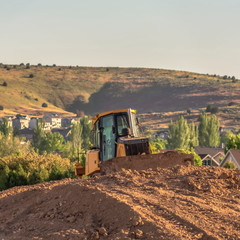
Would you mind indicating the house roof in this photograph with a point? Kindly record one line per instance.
(212, 151)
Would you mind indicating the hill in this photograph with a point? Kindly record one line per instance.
(70, 89)
(175, 203)
(97, 89)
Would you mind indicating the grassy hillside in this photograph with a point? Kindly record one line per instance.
(93, 90)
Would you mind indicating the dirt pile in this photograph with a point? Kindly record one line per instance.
(176, 203)
(142, 162)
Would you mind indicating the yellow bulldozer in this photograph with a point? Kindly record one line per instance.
(117, 143)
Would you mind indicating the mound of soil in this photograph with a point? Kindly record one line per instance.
(174, 203)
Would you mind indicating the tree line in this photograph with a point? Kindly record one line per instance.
(47, 157)
(186, 136)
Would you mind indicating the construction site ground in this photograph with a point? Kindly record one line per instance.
(175, 203)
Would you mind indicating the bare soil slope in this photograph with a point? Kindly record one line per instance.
(176, 203)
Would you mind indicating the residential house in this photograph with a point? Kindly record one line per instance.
(161, 134)
(232, 156)
(20, 122)
(26, 133)
(67, 122)
(52, 121)
(33, 123)
(211, 156)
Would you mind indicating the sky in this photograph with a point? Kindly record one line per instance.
(193, 35)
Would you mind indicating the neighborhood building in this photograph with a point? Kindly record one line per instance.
(68, 122)
(33, 123)
(26, 133)
(210, 156)
(232, 156)
(52, 121)
(20, 122)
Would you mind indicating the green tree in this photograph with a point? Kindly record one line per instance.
(86, 132)
(38, 135)
(203, 130)
(5, 128)
(193, 135)
(51, 143)
(225, 136)
(213, 131)
(179, 135)
(233, 142)
(209, 130)
(157, 144)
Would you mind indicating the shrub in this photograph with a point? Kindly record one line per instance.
(39, 65)
(231, 104)
(33, 168)
(189, 111)
(234, 79)
(21, 64)
(31, 75)
(59, 69)
(57, 173)
(4, 172)
(225, 77)
(230, 165)
(36, 99)
(44, 105)
(1, 107)
(212, 109)
(4, 84)
(17, 177)
(27, 65)
(197, 158)
(38, 176)
(107, 69)
(54, 65)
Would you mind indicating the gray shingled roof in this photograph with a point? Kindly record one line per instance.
(212, 151)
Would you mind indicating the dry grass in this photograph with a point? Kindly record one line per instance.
(98, 89)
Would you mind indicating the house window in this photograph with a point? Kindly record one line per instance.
(207, 162)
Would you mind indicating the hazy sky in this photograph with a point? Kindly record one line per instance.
(193, 35)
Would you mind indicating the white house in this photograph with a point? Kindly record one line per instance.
(20, 122)
(53, 120)
(33, 123)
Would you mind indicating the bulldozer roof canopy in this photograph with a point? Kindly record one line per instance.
(94, 119)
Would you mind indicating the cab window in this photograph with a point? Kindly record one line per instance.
(122, 122)
(96, 135)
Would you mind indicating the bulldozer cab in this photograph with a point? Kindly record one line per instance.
(109, 127)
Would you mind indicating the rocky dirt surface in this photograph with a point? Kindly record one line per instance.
(174, 203)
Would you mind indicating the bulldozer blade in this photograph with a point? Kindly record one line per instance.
(144, 162)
